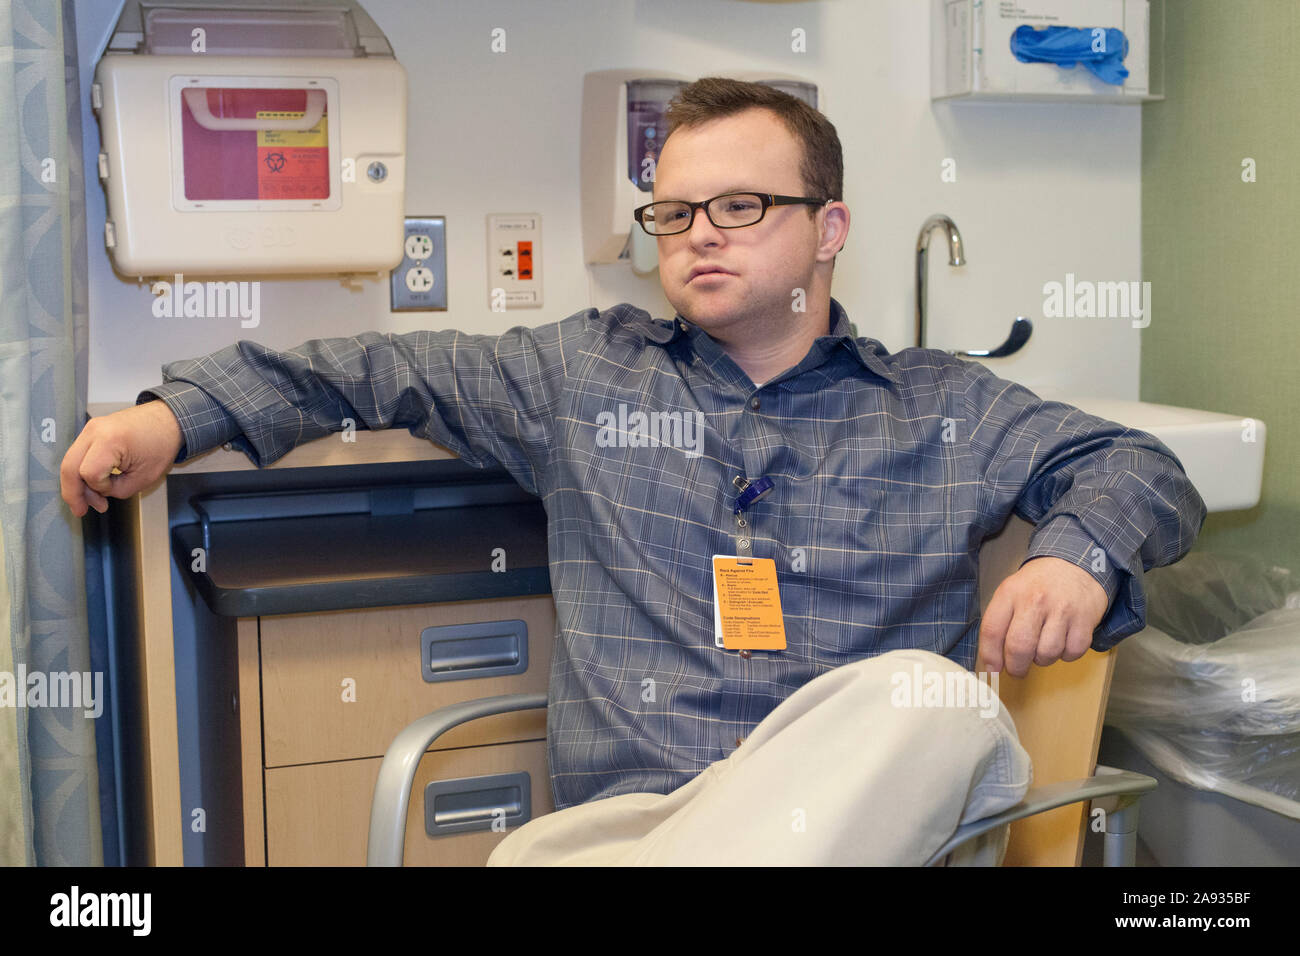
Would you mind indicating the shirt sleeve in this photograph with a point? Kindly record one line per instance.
(1112, 500)
(490, 399)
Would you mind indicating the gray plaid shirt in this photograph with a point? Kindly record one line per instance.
(888, 471)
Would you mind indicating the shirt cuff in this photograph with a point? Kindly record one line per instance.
(1064, 537)
(204, 423)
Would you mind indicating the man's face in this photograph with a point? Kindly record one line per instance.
(750, 151)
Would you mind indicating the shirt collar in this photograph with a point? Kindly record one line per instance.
(868, 351)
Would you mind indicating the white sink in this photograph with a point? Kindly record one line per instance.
(1223, 455)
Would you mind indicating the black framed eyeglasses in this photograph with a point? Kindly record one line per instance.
(729, 211)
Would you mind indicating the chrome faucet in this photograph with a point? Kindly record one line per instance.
(1020, 329)
(955, 258)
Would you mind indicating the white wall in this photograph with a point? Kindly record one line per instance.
(1041, 190)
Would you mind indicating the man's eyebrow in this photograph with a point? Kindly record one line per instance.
(734, 189)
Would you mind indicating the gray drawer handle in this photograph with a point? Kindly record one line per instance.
(472, 658)
(481, 649)
(474, 803)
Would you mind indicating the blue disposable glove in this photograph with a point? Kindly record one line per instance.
(1066, 46)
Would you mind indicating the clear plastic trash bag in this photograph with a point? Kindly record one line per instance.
(1209, 692)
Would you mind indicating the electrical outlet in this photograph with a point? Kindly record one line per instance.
(419, 283)
(514, 249)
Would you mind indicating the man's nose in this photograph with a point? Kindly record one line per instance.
(702, 228)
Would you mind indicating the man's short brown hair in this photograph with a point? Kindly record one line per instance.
(714, 97)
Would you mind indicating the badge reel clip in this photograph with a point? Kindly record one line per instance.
(751, 491)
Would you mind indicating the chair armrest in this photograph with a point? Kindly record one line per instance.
(1107, 783)
(387, 840)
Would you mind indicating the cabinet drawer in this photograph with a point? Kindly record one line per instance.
(319, 815)
(339, 685)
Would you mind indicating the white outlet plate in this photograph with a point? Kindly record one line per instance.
(419, 283)
(514, 252)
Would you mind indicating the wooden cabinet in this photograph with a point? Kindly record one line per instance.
(237, 744)
(322, 696)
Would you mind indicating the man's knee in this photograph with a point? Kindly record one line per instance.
(936, 689)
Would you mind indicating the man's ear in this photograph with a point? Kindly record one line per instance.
(834, 230)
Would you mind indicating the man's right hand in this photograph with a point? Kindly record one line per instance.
(138, 443)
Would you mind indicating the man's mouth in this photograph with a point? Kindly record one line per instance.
(701, 271)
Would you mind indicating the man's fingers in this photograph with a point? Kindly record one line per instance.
(71, 486)
(98, 467)
(101, 478)
(119, 455)
(993, 632)
(1078, 642)
(96, 500)
(1051, 640)
(1042, 614)
(1022, 639)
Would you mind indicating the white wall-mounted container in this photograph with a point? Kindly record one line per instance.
(244, 141)
(622, 131)
(971, 56)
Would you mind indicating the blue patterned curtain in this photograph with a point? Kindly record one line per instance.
(49, 800)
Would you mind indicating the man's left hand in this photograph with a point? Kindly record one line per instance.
(1043, 613)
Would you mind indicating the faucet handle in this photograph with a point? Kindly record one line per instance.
(1020, 331)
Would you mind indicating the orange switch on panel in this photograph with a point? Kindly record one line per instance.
(525, 259)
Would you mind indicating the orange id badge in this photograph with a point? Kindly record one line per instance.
(747, 604)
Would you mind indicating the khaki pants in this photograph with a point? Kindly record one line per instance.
(844, 772)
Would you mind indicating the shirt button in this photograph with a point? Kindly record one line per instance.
(739, 741)
(753, 402)
(746, 654)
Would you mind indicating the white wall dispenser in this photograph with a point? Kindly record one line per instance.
(973, 53)
(265, 139)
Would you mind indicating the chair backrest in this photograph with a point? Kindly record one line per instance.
(1058, 712)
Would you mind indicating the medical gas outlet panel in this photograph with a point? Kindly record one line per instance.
(514, 261)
